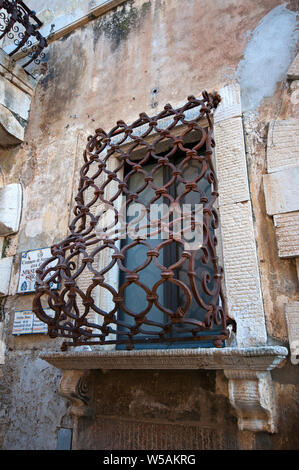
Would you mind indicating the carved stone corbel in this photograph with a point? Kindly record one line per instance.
(252, 396)
(74, 387)
(247, 369)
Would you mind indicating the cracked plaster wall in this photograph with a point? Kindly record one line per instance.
(137, 58)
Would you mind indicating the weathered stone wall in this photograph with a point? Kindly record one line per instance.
(16, 90)
(137, 58)
(181, 410)
(160, 410)
(31, 410)
(278, 276)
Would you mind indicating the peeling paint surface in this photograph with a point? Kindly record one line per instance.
(30, 389)
(267, 57)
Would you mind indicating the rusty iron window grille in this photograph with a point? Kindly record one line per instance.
(20, 25)
(140, 292)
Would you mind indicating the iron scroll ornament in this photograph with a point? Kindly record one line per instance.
(111, 160)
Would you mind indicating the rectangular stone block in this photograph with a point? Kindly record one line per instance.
(231, 162)
(10, 208)
(15, 80)
(282, 191)
(283, 145)
(287, 234)
(293, 72)
(14, 99)
(242, 279)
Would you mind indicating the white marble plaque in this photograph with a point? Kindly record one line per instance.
(23, 321)
(39, 326)
(30, 261)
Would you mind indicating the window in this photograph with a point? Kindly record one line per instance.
(148, 290)
(174, 296)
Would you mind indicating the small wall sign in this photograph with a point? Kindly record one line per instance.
(27, 323)
(30, 261)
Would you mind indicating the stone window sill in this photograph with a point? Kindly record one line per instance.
(247, 370)
(249, 358)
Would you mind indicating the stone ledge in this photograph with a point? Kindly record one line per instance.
(247, 370)
(252, 358)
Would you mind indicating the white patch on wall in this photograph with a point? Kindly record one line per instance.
(10, 209)
(5, 272)
(292, 316)
(34, 227)
(267, 57)
(283, 145)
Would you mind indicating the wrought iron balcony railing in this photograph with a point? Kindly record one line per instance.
(20, 26)
(136, 292)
